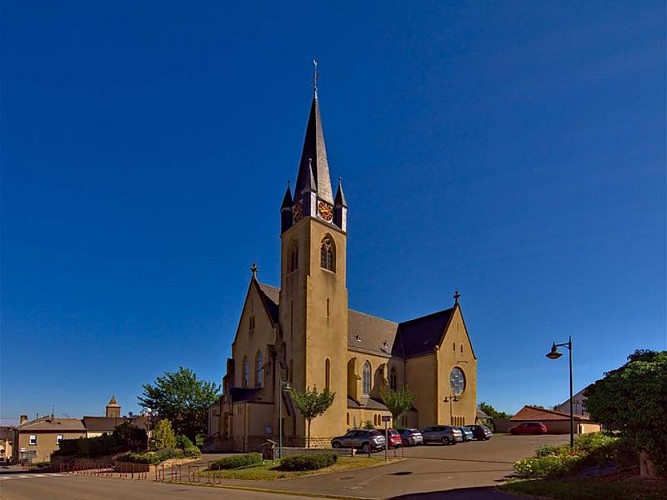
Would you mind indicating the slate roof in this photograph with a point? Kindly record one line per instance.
(379, 336)
(421, 335)
(48, 424)
(371, 404)
(370, 333)
(314, 155)
(102, 424)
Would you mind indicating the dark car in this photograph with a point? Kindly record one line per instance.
(528, 428)
(445, 434)
(481, 432)
(411, 437)
(367, 440)
(467, 433)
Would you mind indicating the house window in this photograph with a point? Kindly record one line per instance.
(393, 380)
(33, 440)
(328, 255)
(327, 374)
(259, 370)
(294, 257)
(246, 372)
(367, 378)
(59, 438)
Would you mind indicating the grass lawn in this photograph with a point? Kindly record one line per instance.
(269, 471)
(590, 488)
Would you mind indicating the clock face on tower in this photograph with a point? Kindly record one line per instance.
(457, 380)
(325, 210)
(297, 212)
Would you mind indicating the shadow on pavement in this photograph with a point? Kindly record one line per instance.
(479, 493)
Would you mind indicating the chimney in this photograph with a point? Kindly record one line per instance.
(23, 419)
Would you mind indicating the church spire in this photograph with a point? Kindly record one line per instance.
(315, 151)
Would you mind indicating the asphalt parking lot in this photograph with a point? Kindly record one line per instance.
(465, 470)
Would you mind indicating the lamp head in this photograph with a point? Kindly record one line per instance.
(554, 354)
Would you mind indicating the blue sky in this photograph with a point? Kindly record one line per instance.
(512, 150)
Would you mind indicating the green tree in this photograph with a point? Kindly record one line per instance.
(183, 399)
(398, 402)
(312, 404)
(633, 400)
(492, 412)
(163, 435)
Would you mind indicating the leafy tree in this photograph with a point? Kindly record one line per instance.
(633, 400)
(312, 404)
(398, 402)
(492, 412)
(183, 399)
(163, 435)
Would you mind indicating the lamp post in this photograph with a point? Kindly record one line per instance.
(451, 399)
(284, 386)
(554, 354)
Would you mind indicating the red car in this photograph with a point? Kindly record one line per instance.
(528, 428)
(395, 440)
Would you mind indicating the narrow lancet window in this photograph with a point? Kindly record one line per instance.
(367, 378)
(328, 254)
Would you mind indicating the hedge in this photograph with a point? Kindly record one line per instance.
(308, 462)
(236, 461)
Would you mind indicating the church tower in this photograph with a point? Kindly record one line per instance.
(313, 292)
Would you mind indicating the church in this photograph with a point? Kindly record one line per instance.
(303, 335)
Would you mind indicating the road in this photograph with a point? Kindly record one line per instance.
(466, 470)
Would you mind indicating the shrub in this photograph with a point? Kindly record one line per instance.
(549, 450)
(183, 442)
(236, 461)
(308, 462)
(163, 435)
(549, 466)
(167, 453)
(192, 452)
(369, 425)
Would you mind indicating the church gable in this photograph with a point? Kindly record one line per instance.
(255, 333)
(421, 336)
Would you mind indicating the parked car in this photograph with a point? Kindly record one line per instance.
(481, 432)
(395, 440)
(411, 437)
(467, 433)
(529, 428)
(445, 434)
(366, 440)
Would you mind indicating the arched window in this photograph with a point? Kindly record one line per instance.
(328, 254)
(246, 371)
(251, 324)
(393, 380)
(259, 370)
(327, 374)
(348, 418)
(461, 347)
(294, 257)
(367, 378)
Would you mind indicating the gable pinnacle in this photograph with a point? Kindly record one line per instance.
(456, 297)
(254, 270)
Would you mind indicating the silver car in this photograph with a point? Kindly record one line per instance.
(366, 440)
(411, 437)
(445, 434)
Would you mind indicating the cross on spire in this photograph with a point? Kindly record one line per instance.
(254, 270)
(456, 297)
(316, 76)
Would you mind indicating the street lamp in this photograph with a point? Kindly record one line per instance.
(284, 386)
(554, 354)
(451, 399)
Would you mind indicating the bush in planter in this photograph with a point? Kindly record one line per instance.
(308, 462)
(236, 461)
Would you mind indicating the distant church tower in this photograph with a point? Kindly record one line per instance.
(113, 408)
(313, 292)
